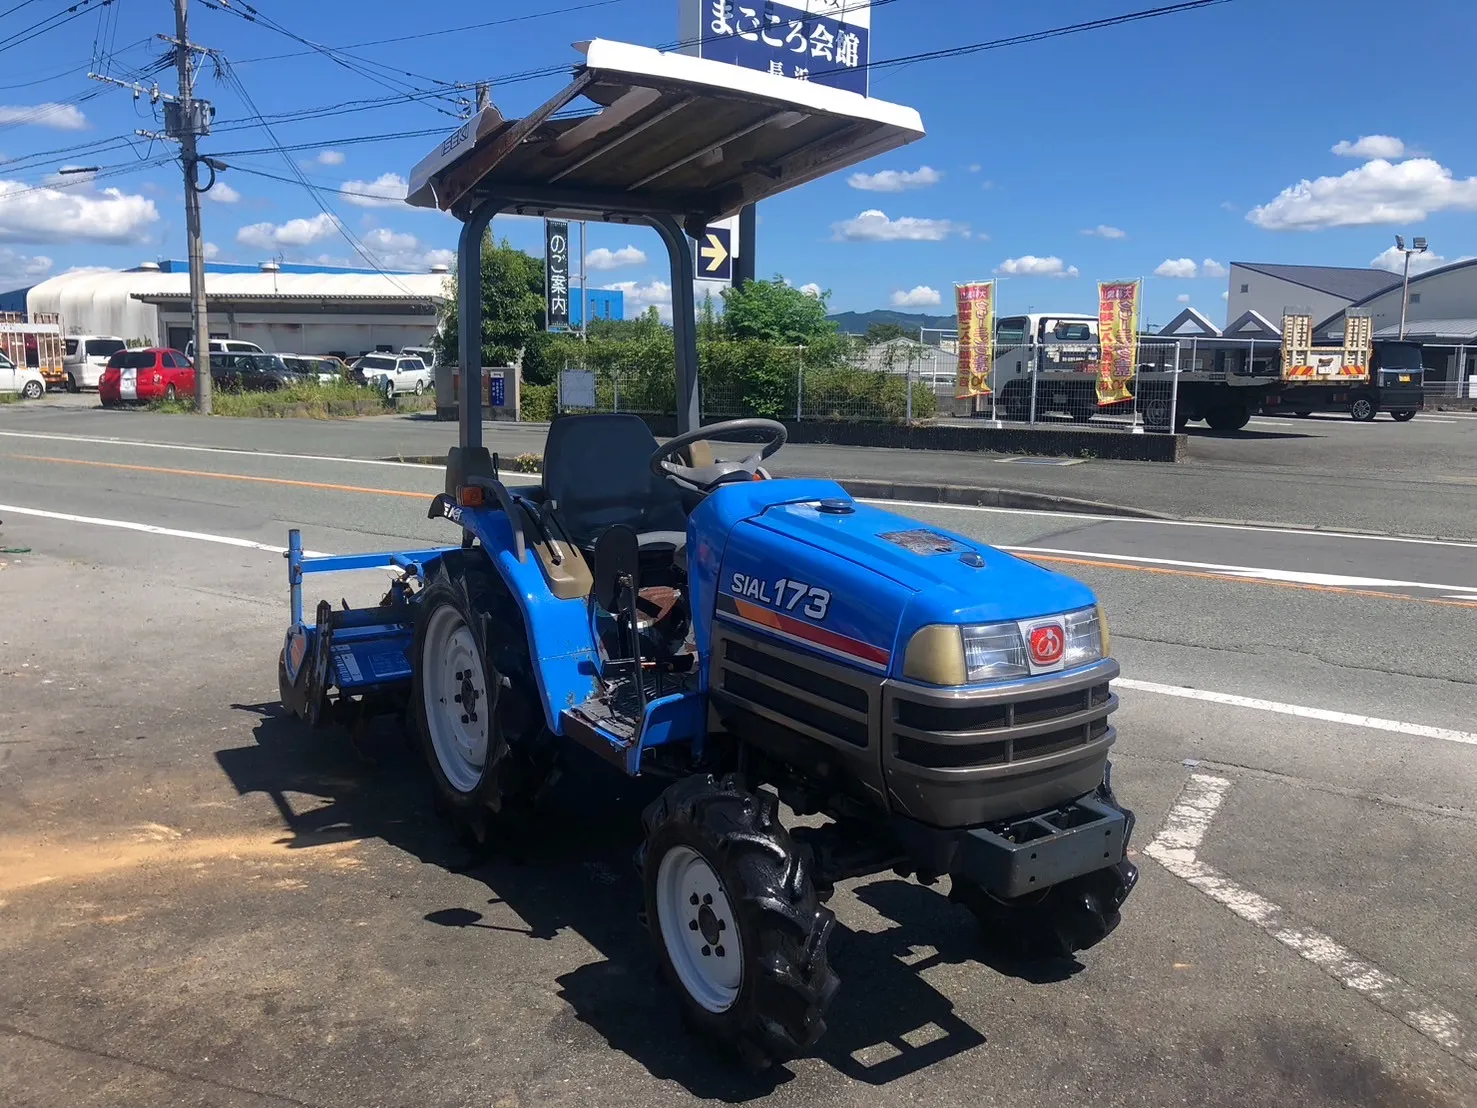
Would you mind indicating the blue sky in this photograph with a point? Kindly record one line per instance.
(1180, 144)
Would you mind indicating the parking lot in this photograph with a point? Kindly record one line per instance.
(204, 903)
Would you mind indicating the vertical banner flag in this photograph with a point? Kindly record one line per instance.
(976, 303)
(826, 41)
(556, 269)
(1118, 337)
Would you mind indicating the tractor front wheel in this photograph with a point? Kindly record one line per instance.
(738, 927)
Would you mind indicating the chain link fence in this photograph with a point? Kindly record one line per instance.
(905, 379)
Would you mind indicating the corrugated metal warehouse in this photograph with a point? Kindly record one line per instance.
(301, 312)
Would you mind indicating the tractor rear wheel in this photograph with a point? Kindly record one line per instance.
(738, 927)
(469, 692)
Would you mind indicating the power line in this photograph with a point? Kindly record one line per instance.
(313, 189)
(50, 23)
(445, 31)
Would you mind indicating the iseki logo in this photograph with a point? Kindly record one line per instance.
(1047, 644)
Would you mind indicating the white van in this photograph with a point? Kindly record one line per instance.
(225, 346)
(85, 358)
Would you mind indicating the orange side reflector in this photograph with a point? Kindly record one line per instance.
(470, 496)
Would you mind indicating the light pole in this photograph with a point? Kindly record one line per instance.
(1417, 246)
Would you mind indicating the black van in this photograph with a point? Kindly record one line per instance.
(1395, 379)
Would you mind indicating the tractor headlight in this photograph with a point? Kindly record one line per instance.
(948, 655)
(993, 651)
(1087, 638)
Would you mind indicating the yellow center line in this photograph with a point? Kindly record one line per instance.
(1237, 579)
(223, 476)
(1096, 563)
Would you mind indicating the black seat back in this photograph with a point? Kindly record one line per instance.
(597, 469)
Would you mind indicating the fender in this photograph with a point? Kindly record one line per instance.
(558, 631)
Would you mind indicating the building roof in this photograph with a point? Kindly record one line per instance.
(1458, 331)
(1252, 325)
(1191, 323)
(1347, 283)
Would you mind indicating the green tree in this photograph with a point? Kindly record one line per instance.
(884, 332)
(512, 305)
(772, 311)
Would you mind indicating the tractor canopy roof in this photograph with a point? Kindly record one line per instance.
(668, 134)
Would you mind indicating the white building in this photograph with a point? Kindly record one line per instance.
(313, 312)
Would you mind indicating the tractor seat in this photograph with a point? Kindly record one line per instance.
(597, 471)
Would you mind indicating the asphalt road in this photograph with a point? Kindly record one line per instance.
(204, 904)
(1417, 478)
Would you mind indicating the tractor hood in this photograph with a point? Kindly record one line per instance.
(954, 579)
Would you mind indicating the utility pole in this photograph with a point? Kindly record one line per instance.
(1419, 246)
(192, 121)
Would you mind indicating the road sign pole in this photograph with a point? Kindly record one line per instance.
(743, 262)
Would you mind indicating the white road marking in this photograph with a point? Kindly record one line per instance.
(1302, 577)
(1206, 524)
(151, 529)
(215, 450)
(1374, 723)
(1176, 848)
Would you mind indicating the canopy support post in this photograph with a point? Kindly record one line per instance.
(684, 321)
(469, 322)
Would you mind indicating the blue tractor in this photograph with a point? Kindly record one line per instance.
(938, 707)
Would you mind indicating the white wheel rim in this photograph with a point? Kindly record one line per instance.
(454, 687)
(698, 929)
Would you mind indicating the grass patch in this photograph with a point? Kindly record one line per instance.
(10, 397)
(527, 463)
(311, 401)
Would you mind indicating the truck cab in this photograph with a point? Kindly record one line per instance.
(1059, 346)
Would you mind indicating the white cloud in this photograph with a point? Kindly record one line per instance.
(30, 214)
(919, 297)
(1184, 268)
(1227, 206)
(330, 157)
(601, 258)
(1394, 261)
(1376, 192)
(1371, 146)
(1028, 265)
(874, 226)
(1226, 295)
(210, 250)
(222, 193)
(385, 191)
(812, 289)
(59, 117)
(295, 232)
(641, 296)
(1182, 298)
(975, 168)
(895, 180)
(18, 270)
(1212, 268)
(399, 250)
(1103, 231)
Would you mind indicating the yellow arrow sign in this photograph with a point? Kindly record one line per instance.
(715, 253)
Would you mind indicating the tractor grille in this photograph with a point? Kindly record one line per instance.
(792, 693)
(943, 733)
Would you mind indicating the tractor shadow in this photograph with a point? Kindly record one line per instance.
(571, 871)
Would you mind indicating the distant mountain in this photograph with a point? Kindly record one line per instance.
(856, 323)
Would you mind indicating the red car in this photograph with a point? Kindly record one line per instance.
(138, 376)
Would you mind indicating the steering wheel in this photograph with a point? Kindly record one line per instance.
(708, 477)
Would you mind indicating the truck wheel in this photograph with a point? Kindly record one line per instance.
(1403, 417)
(469, 679)
(1156, 414)
(1228, 417)
(1017, 403)
(732, 909)
(1363, 409)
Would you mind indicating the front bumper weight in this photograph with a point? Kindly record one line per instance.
(1040, 851)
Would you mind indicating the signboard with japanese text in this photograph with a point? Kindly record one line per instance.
(826, 41)
(1118, 338)
(976, 303)
(556, 270)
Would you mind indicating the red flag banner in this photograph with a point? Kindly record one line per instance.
(1118, 338)
(976, 304)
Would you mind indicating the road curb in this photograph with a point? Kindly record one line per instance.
(974, 496)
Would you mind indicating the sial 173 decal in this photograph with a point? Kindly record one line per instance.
(784, 595)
